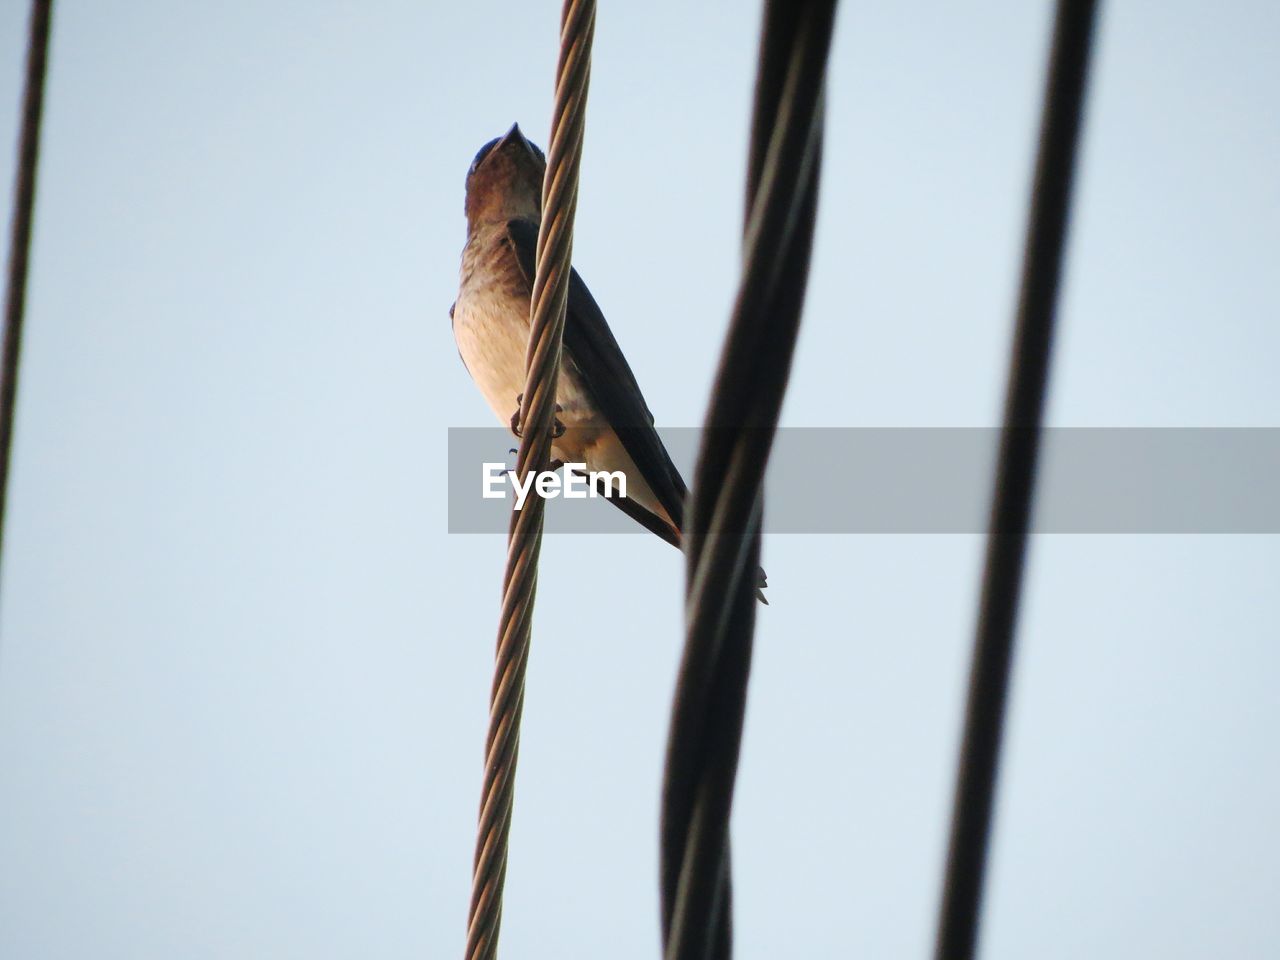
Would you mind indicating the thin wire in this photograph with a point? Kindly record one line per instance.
(537, 411)
(24, 196)
(1015, 480)
(723, 539)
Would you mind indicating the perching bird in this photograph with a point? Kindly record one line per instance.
(606, 423)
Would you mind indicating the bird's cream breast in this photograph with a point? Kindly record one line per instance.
(491, 328)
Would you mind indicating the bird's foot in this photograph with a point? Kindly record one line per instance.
(515, 417)
(557, 427)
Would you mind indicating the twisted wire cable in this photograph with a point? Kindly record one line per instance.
(24, 196)
(537, 414)
(723, 539)
(1015, 480)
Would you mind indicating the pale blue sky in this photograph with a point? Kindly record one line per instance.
(244, 671)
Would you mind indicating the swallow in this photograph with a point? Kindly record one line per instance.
(602, 418)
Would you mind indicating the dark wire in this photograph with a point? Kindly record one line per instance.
(1015, 480)
(24, 196)
(723, 538)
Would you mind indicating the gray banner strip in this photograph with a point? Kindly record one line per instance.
(938, 480)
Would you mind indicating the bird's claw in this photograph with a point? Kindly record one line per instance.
(515, 417)
(557, 427)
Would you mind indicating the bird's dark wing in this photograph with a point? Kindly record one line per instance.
(594, 351)
(643, 516)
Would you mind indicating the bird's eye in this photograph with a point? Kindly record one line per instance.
(484, 152)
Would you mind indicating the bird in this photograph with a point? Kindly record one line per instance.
(602, 419)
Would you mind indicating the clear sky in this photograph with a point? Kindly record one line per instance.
(244, 670)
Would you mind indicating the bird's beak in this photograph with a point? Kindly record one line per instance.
(514, 136)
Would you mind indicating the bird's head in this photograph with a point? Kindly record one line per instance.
(505, 180)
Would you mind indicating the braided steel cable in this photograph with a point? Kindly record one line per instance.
(723, 538)
(24, 195)
(537, 414)
(1015, 480)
